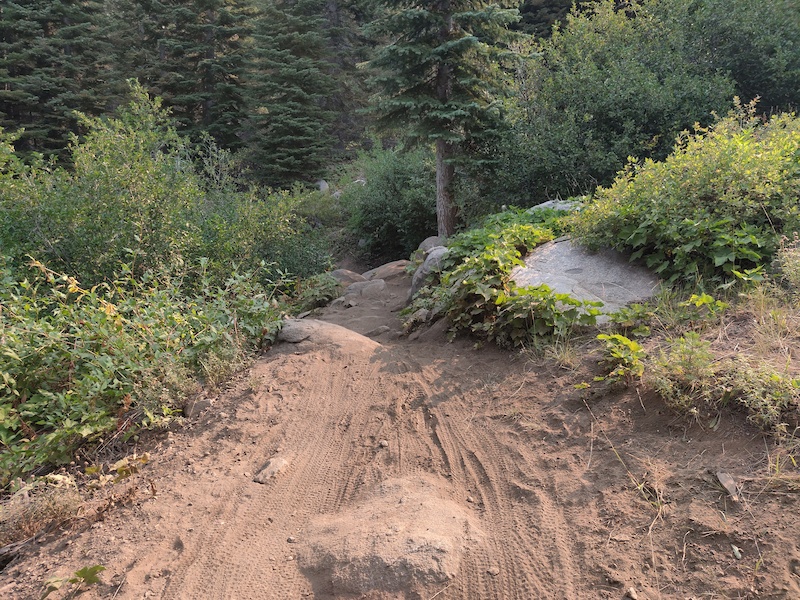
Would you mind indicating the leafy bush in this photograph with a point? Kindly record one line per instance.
(140, 194)
(787, 263)
(315, 291)
(476, 292)
(78, 365)
(715, 208)
(683, 374)
(748, 41)
(607, 85)
(392, 203)
(624, 356)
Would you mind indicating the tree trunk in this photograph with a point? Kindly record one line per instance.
(446, 209)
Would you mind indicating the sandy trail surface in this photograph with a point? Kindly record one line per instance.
(378, 467)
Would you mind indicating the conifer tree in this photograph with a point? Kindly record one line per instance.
(190, 53)
(436, 79)
(289, 137)
(52, 63)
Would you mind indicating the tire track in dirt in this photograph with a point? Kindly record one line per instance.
(481, 468)
(330, 440)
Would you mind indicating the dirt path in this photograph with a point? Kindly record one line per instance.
(392, 467)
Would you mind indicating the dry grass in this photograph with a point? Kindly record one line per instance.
(54, 498)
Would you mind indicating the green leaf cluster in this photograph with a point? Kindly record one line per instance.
(624, 356)
(716, 208)
(143, 195)
(79, 365)
(476, 292)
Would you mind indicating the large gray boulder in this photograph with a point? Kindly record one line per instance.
(570, 205)
(425, 272)
(429, 243)
(606, 276)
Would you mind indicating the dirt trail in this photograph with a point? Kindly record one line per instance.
(423, 469)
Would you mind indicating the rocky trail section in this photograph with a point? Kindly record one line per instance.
(353, 462)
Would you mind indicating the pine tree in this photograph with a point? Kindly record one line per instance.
(538, 16)
(289, 87)
(435, 79)
(190, 53)
(52, 55)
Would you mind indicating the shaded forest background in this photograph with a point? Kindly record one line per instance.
(281, 83)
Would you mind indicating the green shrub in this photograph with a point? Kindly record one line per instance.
(683, 374)
(476, 292)
(624, 356)
(716, 208)
(315, 291)
(692, 381)
(140, 194)
(787, 263)
(393, 203)
(79, 365)
(607, 85)
(770, 398)
(749, 41)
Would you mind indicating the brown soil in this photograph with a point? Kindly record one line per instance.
(420, 469)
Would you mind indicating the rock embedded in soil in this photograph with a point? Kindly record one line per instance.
(388, 271)
(426, 271)
(606, 276)
(345, 277)
(271, 469)
(378, 331)
(403, 538)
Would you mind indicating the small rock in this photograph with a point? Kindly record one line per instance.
(291, 539)
(493, 571)
(271, 469)
(631, 593)
(470, 499)
(383, 444)
(378, 331)
(196, 406)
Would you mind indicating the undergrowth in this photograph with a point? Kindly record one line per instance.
(81, 365)
(476, 294)
(689, 363)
